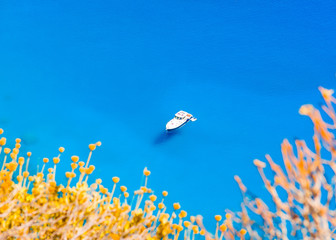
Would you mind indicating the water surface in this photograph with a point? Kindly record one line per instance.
(73, 73)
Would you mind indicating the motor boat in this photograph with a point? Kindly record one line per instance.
(179, 120)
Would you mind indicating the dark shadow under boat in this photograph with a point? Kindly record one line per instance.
(165, 136)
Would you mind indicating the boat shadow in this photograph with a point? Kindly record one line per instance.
(165, 136)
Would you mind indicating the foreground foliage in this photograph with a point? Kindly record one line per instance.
(303, 191)
(36, 207)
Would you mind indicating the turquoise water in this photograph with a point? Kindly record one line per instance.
(73, 73)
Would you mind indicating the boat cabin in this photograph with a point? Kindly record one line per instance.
(180, 115)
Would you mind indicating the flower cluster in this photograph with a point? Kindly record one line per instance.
(36, 207)
(303, 191)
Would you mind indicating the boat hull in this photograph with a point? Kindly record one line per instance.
(172, 129)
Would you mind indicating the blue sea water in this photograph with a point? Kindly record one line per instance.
(75, 72)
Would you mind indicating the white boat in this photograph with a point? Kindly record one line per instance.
(179, 120)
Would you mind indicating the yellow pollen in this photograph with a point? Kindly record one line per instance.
(92, 147)
(75, 158)
(21, 160)
(186, 224)
(223, 227)
(74, 165)
(7, 150)
(2, 141)
(176, 206)
(146, 172)
(161, 205)
(152, 198)
(39, 175)
(56, 160)
(195, 229)
(218, 218)
(192, 219)
(19, 178)
(183, 214)
(103, 190)
(88, 171)
(115, 179)
(11, 166)
(15, 151)
(242, 232)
